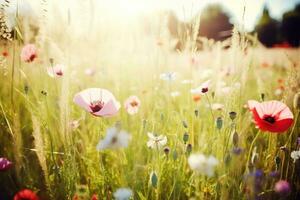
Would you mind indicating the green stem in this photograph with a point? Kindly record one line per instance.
(251, 147)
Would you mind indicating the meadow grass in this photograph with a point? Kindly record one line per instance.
(58, 161)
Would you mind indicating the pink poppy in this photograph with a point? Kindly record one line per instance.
(132, 104)
(202, 89)
(90, 71)
(97, 101)
(29, 53)
(56, 71)
(273, 116)
(5, 164)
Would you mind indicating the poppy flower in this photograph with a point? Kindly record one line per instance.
(132, 104)
(5, 164)
(5, 53)
(97, 101)
(56, 71)
(29, 53)
(26, 194)
(196, 98)
(94, 197)
(273, 116)
(114, 139)
(202, 89)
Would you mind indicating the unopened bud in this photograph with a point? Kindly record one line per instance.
(232, 115)
(235, 139)
(189, 148)
(219, 122)
(153, 179)
(185, 137)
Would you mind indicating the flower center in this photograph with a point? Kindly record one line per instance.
(270, 119)
(96, 106)
(204, 90)
(32, 57)
(134, 103)
(59, 73)
(114, 140)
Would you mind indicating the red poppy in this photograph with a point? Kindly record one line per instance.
(94, 197)
(5, 54)
(273, 116)
(26, 195)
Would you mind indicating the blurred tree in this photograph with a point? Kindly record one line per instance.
(214, 23)
(290, 27)
(267, 29)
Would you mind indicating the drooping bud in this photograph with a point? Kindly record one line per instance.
(185, 137)
(297, 101)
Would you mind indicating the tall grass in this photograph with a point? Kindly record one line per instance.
(58, 161)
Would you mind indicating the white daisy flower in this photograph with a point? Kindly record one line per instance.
(168, 76)
(202, 164)
(186, 81)
(202, 89)
(175, 94)
(123, 194)
(115, 138)
(217, 106)
(156, 141)
(295, 155)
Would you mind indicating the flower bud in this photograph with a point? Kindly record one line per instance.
(184, 124)
(297, 101)
(282, 187)
(153, 179)
(175, 155)
(26, 89)
(144, 123)
(277, 161)
(196, 112)
(219, 122)
(185, 137)
(162, 117)
(232, 115)
(235, 139)
(227, 159)
(262, 96)
(5, 164)
(189, 148)
(167, 150)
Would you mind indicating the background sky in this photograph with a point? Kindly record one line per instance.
(186, 9)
